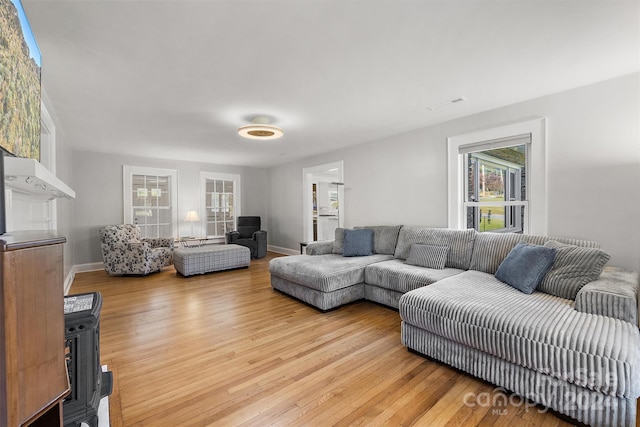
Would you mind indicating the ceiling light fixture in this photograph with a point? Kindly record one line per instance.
(260, 129)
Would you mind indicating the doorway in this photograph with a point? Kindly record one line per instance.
(323, 201)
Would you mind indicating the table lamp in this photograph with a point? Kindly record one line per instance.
(192, 216)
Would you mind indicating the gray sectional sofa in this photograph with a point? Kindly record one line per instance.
(572, 345)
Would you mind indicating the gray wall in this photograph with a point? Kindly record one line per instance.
(97, 180)
(593, 171)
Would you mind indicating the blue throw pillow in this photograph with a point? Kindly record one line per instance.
(358, 242)
(525, 266)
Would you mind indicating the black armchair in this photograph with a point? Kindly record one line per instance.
(250, 235)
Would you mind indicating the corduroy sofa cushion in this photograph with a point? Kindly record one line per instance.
(324, 273)
(338, 241)
(428, 256)
(614, 294)
(460, 243)
(541, 332)
(398, 276)
(491, 248)
(385, 237)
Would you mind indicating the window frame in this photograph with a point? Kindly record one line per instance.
(536, 177)
(127, 190)
(237, 205)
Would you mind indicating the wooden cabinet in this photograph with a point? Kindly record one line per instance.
(33, 373)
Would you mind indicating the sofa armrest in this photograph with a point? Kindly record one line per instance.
(159, 242)
(231, 236)
(614, 294)
(259, 236)
(320, 248)
(137, 248)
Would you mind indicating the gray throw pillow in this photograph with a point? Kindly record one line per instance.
(358, 242)
(430, 256)
(460, 243)
(525, 266)
(573, 268)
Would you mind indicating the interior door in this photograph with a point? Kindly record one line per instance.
(323, 201)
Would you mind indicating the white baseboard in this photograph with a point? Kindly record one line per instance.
(92, 266)
(96, 266)
(68, 281)
(284, 251)
(80, 268)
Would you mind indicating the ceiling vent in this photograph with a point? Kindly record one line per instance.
(448, 103)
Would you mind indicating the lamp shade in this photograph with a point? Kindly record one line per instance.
(192, 216)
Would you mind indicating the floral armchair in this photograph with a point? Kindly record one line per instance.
(124, 251)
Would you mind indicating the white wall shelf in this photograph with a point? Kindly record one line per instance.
(30, 177)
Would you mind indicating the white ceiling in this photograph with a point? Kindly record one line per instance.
(175, 79)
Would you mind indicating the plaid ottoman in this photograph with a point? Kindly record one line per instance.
(206, 258)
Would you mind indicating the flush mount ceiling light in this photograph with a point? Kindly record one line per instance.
(260, 129)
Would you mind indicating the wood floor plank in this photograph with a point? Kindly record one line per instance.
(225, 349)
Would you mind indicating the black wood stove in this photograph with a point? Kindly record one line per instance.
(88, 382)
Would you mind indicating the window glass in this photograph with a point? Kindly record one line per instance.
(496, 189)
(221, 196)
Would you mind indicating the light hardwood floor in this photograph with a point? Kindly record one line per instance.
(225, 349)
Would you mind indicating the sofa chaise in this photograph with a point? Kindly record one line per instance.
(571, 344)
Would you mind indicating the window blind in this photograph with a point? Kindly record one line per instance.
(492, 144)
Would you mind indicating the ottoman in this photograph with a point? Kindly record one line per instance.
(207, 258)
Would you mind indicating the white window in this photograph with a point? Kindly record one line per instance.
(497, 179)
(150, 200)
(221, 193)
(495, 188)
